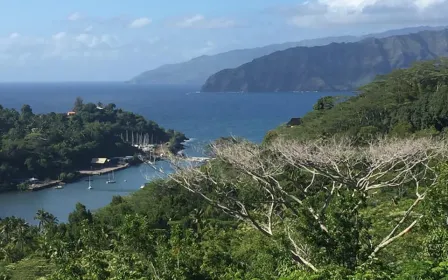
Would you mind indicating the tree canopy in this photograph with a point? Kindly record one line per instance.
(407, 101)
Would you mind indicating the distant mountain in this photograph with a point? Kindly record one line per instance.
(197, 70)
(337, 66)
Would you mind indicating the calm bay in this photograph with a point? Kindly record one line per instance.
(201, 116)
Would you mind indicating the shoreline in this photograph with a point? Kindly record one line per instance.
(45, 185)
(82, 174)
(85, 173)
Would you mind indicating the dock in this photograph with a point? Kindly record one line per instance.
(44, 185)
(104, 170)
(197, 159)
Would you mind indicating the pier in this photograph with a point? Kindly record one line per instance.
(103, 170)
(44, 185)
(197, 159)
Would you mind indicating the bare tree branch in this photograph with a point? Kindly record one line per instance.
(332, 167)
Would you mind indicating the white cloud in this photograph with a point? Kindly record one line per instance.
(329, 13)
(153, 40)
(14, 35)
(88, 28)
(87, 40)
(140, 22)
(201, 22)
(189, 22)
(62, 46)
(59, 36)
(73, 17)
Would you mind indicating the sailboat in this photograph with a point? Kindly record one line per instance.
(90, 185)
(111, 180)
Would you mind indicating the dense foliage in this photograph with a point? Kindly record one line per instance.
(56, 145)
(286, 210)
(405, 102)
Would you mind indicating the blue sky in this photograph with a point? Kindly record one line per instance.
(101, 40)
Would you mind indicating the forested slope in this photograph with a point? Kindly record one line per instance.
(405, 102)
(350, 206)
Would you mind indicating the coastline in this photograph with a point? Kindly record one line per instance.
(81, 174)
(178, 146)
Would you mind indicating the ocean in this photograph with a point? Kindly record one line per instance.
(203, 117)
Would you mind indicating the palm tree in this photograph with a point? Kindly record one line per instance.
(40, 215)
(46, 220)
(6, 229)
(196, 217)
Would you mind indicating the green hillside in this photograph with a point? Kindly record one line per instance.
(405, 102)
(326, 199)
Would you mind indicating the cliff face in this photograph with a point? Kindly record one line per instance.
(197, 70)
(338, 66)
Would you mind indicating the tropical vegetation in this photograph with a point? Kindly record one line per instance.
(56, 145)
(358, 190)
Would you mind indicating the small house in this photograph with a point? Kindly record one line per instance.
(294, 121)
(71, 113)
(99, 162)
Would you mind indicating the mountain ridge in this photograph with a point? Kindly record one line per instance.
(333, 67)
(197, 70)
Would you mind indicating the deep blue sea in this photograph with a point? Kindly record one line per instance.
(201, 116)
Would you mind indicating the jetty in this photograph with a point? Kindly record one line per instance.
(197, 159)
(104, 170)
(43, 185)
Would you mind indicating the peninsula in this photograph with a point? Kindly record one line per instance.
(55, 146)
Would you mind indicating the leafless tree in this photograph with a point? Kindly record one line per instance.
(242, 168)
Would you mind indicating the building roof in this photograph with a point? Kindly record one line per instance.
(99, 160)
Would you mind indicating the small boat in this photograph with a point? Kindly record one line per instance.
(59, 187)
(90, 185)
(111, 180)
(125, 180)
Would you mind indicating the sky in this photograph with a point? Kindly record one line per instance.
(114, 40)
